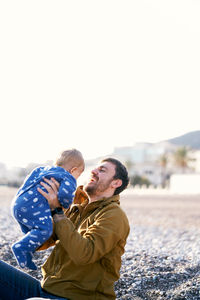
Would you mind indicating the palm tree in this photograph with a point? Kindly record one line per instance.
(163, 163)
(181, 158)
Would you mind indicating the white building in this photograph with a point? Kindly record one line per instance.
(143, 159)
(185, 183)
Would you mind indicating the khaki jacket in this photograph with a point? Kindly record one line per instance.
(86, 260)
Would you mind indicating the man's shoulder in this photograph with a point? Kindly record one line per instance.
(114, 209)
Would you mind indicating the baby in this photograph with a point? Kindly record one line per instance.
(31, 209)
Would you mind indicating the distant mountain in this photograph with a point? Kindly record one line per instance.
(190, 139)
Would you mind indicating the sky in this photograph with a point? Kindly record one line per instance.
(94, 75)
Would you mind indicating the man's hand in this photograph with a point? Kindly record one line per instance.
(52, 189)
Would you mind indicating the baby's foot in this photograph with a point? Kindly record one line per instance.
(30, 263)
(23, 258)
(19, 255)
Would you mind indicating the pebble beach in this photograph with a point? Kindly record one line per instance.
(162, 257)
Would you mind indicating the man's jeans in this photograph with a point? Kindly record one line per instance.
(17, 285)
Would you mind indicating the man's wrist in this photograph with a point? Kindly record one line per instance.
(57, 218)
(57, 211)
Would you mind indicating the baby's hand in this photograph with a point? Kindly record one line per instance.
(52, 189)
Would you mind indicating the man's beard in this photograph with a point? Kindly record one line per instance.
(93, 190)
(90, 190)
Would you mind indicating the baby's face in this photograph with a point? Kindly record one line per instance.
(78, 171)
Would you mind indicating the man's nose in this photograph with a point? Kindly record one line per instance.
(94, 171)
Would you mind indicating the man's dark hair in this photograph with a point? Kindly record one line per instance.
(120, 173)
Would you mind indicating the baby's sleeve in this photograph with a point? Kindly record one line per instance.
(66, 192)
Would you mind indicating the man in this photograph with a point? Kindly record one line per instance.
(90, 239)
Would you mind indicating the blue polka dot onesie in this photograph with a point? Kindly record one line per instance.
(32, 211)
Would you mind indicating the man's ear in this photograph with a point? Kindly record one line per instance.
(116, 183)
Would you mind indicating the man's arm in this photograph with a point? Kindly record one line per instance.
(110, 227)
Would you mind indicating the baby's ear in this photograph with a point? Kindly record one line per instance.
(73, 169)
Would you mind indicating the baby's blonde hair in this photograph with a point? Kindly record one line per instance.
(70, 157)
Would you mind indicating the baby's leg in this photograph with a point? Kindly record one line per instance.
(41, 230)
(24, 228)
(24, 248)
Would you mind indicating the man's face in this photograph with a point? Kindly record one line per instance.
(101, 178)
